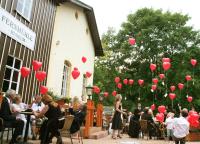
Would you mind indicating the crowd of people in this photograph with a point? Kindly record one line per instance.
(173, 127)
(45, 115)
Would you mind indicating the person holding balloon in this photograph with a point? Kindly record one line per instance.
(117, 118)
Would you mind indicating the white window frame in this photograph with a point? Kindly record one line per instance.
(12, 68)
(22, 12)
(65, 78)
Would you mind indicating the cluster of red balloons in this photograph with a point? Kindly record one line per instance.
(76, 73)
(193, 119)
(160, 116)
(40, 75)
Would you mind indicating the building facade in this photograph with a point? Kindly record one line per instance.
(75, 36)
(26, 28)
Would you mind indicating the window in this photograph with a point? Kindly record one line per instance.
(24, 7)
(11, 76)
(65, 77)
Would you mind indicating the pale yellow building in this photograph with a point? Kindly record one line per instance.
(75, 35)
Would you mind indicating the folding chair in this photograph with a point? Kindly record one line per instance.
(3, 129)
(144, 128)
(67, 125)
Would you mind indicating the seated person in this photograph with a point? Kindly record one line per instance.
(9, 118)
(50, 127)
(134, 125)
(17, 107)
(37, 106)
(79, 117)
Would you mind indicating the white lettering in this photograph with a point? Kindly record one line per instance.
(16, 30)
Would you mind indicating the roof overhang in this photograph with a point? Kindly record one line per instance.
(91, 23)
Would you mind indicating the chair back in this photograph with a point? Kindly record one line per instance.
(68, 122)
(1, 124)
(143, 125)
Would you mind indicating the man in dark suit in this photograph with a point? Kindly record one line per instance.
(8, 117)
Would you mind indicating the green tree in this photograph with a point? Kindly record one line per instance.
(158, 34)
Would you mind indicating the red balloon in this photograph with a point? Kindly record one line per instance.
(88, 74)
(166, 65)
(162, 76)
(153, 107)
(154, 87)
(40, 75)
(84, 59)
(75, 73)
(25, 71)
(114, 93)
(161, 109)
(140, 82)
(172, 96)
(105, 94)
(172, 88)
(131, 41)
(155, 80)
(43, 89)
(117, 79)
(189, 99)
(180, 86)
(96, 89)
(160, 117)
(193, 62)
(166, 60)
(125, 81)
(153, 67)
(36, 65)
(188, 77)
(131, 81)
(119, 85)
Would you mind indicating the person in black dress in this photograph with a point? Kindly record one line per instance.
(50, 127)
(134, 125)
(117, 118)
(9, 117)
(79, 117)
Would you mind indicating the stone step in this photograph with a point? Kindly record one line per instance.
(92, 130)
(98, 135)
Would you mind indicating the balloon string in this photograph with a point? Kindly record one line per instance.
(166, 82)
(193, 75)
(172, 104)
(187, 88)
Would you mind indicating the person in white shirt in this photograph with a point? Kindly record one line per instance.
(17, 107)
(169, 124)
(37, 106)
(181, 127)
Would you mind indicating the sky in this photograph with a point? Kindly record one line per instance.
(111, 13)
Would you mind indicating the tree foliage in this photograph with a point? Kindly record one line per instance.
(158, 34)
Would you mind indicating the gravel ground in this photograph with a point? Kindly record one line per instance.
(109, 140)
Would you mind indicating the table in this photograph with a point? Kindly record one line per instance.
(28, 114)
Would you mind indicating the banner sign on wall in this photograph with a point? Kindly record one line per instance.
(12, 27)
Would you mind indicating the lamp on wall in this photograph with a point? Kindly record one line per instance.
(89, 90)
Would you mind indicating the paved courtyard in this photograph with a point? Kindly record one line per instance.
(109, 140)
